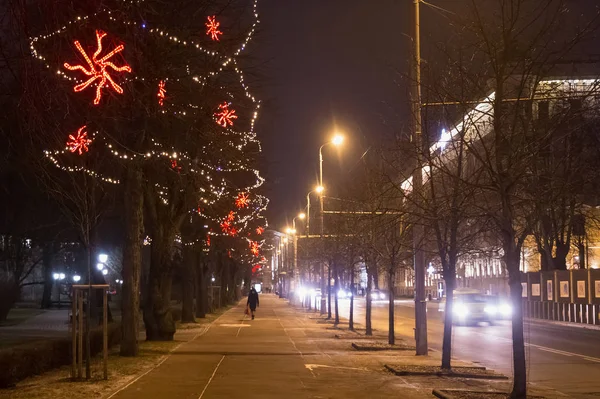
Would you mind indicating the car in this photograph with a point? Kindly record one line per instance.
(378, 295)
(342, 294)
(470, 307)
(498, 307)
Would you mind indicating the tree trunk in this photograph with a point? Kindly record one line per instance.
(187, 286)
(132, 261)
(9, 294)
(336, 289)
(201, 289)
(157, 310)
(581, 254)
(351, 316)
(519, 390)
(391, 332)
(329, 291)
(448, 319)
(560, 261)
(48, 280)
(369, 329)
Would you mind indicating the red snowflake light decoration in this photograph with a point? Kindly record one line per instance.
(255, 268)
(175, 166)
(225, 115)
(260, 230)
(212, 28)
(254, 248)
(79, 142)
(161, 93)
(227, 225)
(242, 200)
(98, 68)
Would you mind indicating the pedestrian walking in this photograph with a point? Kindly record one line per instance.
(252, 301)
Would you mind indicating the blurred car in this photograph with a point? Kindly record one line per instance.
(470, 307)
(498, 307)
(378, 295)
(343, 294)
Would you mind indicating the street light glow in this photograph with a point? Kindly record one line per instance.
(103, 258)
(99, 266)
(319, 189)
(76, 278)
(337, 140)
(105, 271)
(301, 215)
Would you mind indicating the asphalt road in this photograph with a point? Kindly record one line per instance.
(561, 357)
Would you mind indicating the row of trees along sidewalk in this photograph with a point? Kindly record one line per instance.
(155, 112)
(517, 157)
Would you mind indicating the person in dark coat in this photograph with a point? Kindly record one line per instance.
(252, 301)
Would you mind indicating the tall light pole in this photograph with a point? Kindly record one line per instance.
(418, 230)
(308, 210)
(337, 140)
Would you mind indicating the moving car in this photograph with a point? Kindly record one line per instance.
(378, 295)
(471, 307)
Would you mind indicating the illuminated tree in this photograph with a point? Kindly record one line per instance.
(162, 95)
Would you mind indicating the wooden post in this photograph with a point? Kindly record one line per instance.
(73, 333)
(80, 337)
(105, 333)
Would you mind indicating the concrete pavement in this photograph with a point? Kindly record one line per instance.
(559, 357)
(285, 352)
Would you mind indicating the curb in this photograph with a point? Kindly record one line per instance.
(440, 394)
(445, 374)
(562, 323)
(366, 348)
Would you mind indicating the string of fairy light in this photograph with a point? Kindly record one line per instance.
(99, 72)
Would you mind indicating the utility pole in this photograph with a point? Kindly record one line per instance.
(321, 215)
(418, 229)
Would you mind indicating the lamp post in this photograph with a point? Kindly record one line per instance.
(337, 140)
(419, 258)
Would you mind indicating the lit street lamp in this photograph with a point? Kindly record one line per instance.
(337, 140)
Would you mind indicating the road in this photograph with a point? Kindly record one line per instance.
(560, 357)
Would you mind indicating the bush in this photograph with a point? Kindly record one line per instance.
(25, 360)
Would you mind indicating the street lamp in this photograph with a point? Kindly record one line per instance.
(337, 140)
(100, 266)
(76, 278)
(103, 258)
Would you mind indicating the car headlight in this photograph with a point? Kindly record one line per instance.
(349, 294)
(505, 309)
(302, 292)
(491, 310)
(341, 294)
(374, 295)
(461, 310)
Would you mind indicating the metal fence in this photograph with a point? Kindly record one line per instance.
(562, 295)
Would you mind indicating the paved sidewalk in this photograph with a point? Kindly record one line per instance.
(284, 352)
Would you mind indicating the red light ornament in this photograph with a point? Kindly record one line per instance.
(242, 200)
(98, 68)
(225, 115)
(254, 248)
(260, 230)
(161, 93)
(212, 28)
(79, 142)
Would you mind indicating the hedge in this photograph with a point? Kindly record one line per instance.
(32, 358)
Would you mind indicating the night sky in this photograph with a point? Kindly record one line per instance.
(330, 65)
